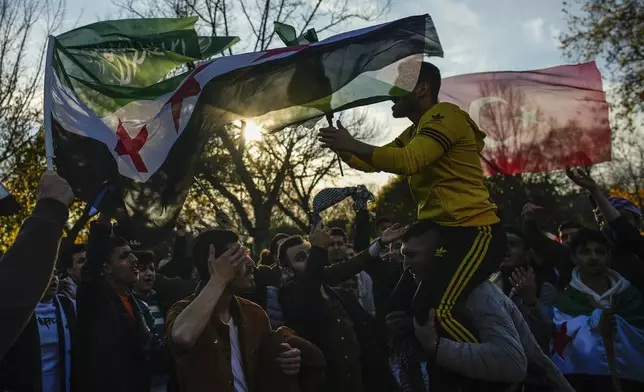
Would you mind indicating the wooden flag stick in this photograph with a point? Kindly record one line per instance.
(329, 118)
(206, 193)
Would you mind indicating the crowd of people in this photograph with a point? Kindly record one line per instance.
(457, 301)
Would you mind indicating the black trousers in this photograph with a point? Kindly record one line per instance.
(465, 257)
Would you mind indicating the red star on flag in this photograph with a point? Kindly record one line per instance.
(189, 88)
(560, 340)
(132, 147)
(278, 51)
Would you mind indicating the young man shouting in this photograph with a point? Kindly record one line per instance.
(439, 153)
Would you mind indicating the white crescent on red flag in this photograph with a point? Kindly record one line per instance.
(536, 121)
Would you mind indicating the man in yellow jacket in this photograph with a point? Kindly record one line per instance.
(439, 153)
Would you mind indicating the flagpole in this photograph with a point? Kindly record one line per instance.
(329, 118)
(206, 193)
(49, 143)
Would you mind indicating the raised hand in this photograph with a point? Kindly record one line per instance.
(530, 211)
(320, 236)
(53, 186)
(226, 266)
(582, 178)
(336, 138)
(393, 233)
(524, 282)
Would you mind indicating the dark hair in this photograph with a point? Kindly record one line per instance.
(113, 243)
(145, 257)
(432, 75)
(517, 232)
(419, 228)
(338, 232)
(65, 256)
(220, 238)
(586, 236)
(570, 225)
(288, 243)
(274, 247)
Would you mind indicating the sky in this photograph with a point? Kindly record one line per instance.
(476, 35)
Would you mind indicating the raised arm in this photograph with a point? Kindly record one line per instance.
(368, 260)
(187, 325)
(97, 248)
(359, 160)
(26, 268)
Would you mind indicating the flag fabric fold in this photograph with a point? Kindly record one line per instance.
(578, 346)
(127, 113)
(536, 121)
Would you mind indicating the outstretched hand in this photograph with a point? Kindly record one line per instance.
(336, 138)
(582, 178)
(393, 233)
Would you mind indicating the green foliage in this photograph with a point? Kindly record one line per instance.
(612, 30)
(22, 181)
(396, 202)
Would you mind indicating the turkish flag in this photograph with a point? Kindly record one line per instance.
(536, 121)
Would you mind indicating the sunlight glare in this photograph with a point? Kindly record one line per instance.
(253, 132)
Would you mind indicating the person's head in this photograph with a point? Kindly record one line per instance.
(382, 224)
(591, 252)
(628, 210)
(423, 96)
(419, 248)
(294, 252)
(120, 267)
(568, 230)
(72, 261)
(147, 271)
(338, 248)
(517, 252)
(352, 286)
(222, 240)
(275, 245)
(52, 288)
(394, 252)
(351, 253)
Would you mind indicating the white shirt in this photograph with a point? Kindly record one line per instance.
(236, 362)
(48, 330)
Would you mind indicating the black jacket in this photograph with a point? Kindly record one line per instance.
(111, 352)
(304, 308)
(21, 369)
(25, 270)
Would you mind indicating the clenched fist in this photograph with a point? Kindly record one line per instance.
(53, 186)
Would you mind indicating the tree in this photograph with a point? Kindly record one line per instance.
(612, 30)
(29, 164)
(270, 181)
(20, 75)
(396, 202)
(22, 150)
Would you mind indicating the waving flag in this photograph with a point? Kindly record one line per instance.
(579, 348)
(536, 121)
(126, 120)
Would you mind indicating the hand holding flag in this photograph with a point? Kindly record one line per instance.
(336, 138)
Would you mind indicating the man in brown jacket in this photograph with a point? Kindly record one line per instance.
(217, 338)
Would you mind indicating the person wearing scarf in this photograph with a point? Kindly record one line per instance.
(40, 359)
(598, 340)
